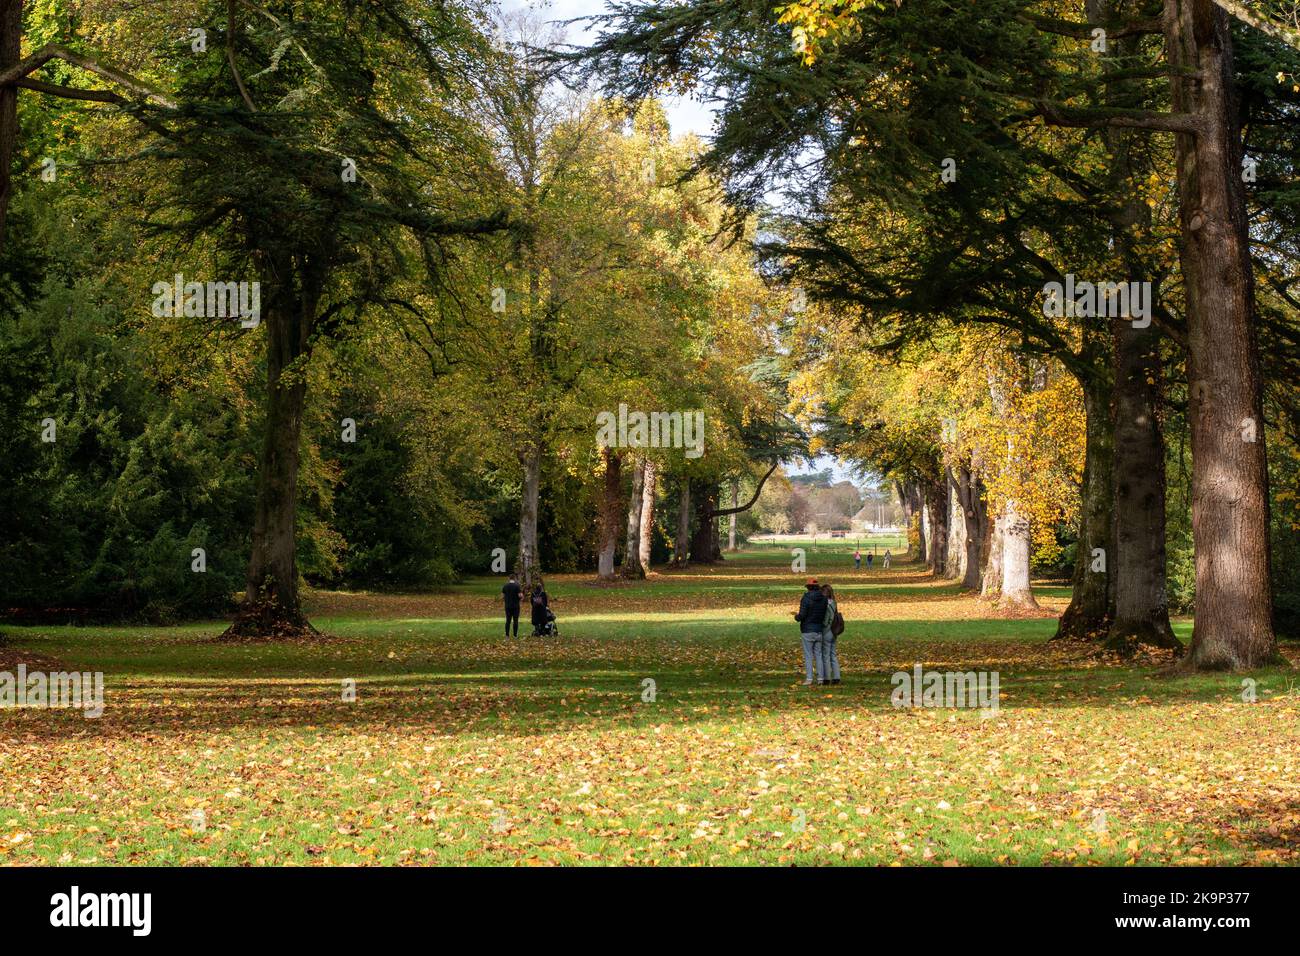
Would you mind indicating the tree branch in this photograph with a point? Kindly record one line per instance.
(231, 26)
(1260, 22)
(1089, 118)
(51, 51)
(752, 501)
(69, 92)
(1069, 28)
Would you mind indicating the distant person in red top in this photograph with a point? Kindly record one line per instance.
(857, 560)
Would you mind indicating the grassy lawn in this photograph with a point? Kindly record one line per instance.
(462, 747)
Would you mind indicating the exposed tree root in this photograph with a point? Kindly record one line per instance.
(1130, 639)
(1076, 627)
(269, 621)
(1210, 662)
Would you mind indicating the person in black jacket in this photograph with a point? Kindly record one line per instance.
(812, 618)
(539, 602)
(511, 593)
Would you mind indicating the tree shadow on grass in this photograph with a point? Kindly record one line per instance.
(452, 688)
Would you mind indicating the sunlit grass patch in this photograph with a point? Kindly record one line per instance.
(666, 726)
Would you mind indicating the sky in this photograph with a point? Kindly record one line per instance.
(685, 115)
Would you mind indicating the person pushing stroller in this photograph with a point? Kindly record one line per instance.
(543, 617)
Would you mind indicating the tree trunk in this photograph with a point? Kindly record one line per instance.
(681, 544)
(1016, 592)
(924, 524)
(1141, 605)
(540, 348)
(917, 509)
(528, 563)
(11, 35)
(955, 562)
(970, 496)
(731, 519)
(936, 506)
(992, 584)
(271, 607)
(905, 505)
(1141, 613)
(1230, 505)
(1135, 557)
(704, 546)
(611, 510)
(1088, 616)
(632, 546)
(648, 514)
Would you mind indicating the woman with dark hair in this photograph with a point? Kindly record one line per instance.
(539, 603)
(811, 618)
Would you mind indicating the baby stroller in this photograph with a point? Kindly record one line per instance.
(550, 628)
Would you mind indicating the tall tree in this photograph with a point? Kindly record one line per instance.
(610, 512)
(325, 190)
(632, 567)
(647, 523)
(1230, 503)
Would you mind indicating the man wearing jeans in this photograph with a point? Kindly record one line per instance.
(811, 617)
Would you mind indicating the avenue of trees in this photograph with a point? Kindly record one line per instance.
(946, 163)
(469, 241)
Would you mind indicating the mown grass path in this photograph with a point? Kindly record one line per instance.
(464, 747)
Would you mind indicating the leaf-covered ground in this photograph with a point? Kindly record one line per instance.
(463, 747)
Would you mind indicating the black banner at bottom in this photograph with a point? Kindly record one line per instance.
(338, 906)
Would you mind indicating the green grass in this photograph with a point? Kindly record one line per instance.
(466, 748)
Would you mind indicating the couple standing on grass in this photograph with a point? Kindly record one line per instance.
(820, 623)
(511, 593)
